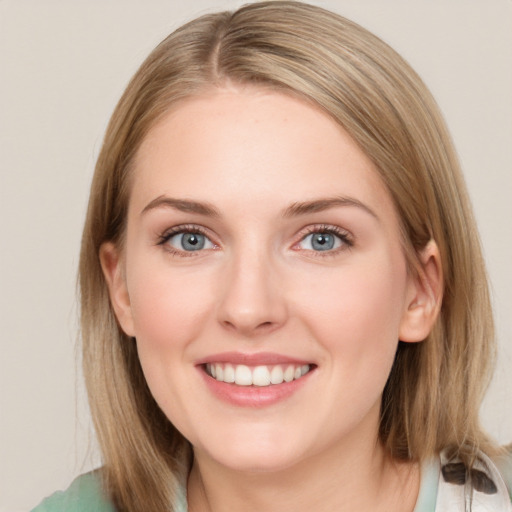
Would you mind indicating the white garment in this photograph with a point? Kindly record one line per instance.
(452, 497)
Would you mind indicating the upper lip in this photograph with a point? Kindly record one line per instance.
(256, 359)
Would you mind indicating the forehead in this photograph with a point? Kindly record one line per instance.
(237, 144)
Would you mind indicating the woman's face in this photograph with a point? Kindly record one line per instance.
(262, 248)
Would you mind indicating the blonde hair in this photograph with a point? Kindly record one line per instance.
(433, 394)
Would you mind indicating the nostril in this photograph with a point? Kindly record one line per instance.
(265, 326)
(228, 324)
(253, 324)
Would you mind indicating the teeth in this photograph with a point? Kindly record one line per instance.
(229, 373)
(261, 376)
(243, 375)
(276, 375)
(289, 373)
(219, 372)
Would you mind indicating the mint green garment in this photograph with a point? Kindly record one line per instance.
(427, 497)
(85, 493)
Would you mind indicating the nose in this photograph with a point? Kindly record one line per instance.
(252, 300)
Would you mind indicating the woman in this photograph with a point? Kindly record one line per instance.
(284, 302)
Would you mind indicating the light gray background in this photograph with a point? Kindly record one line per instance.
(63, 65)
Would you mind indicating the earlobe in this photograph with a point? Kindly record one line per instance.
(112, 266)
(424, 296)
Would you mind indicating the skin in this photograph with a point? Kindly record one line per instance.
(250, 155)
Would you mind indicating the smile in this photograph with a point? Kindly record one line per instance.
(262, 375)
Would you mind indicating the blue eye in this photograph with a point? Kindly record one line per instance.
(321, 241)
(189, 241)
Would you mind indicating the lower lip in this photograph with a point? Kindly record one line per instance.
(253, 396)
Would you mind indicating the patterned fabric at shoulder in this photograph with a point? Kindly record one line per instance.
(504, 464)
(479, 489)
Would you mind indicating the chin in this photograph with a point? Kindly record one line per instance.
(257, 461)
(253, 453)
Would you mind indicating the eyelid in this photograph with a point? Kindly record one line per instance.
(182, 229)
(346, 237)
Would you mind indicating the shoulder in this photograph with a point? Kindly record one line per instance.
(489, 480)
(85, 494)
(443, 488)
(504, 465)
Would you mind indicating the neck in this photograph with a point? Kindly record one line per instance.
(345, 478)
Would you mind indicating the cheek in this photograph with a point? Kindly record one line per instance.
(168, 308)
(356, 311)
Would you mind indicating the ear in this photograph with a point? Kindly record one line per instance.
(112, 265)
(424, 296)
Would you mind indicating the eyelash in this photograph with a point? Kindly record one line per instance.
(343, 235)
(181, 230)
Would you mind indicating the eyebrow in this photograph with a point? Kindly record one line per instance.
(183, 205)
(320, 205)
(294, 210)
